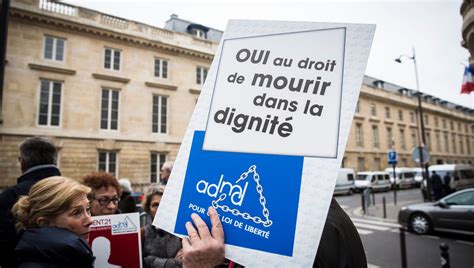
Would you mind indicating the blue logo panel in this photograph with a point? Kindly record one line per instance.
(256, 196)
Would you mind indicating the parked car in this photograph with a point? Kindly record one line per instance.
(405, 177)
(453, 213)
(374, 180)
(418, 176)
(139, 198)
(345, 181)
(462, 176)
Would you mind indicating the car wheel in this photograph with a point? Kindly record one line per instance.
(350, 192)
(420, 224)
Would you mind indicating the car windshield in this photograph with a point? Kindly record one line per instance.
(362, 177)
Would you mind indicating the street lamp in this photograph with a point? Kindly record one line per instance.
(420, 111)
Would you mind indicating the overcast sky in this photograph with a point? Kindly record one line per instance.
(433, 28)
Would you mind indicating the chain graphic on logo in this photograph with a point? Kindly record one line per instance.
(246, 215)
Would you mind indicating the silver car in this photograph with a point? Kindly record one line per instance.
(453, 213)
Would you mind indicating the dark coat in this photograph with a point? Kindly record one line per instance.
(436, 182)
(127, 203)
(53, 247)
(8, 236)
(340, 244)
(160, 248)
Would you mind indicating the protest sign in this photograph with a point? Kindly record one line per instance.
(115, 240)
(267, 137)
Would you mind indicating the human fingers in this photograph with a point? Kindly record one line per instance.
(216, 230)
(185, 243)
(192, 233)
(201, 226)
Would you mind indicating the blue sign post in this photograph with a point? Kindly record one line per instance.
(392, 160)
(392, 157)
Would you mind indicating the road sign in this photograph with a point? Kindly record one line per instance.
(416, 154)
(392, 157)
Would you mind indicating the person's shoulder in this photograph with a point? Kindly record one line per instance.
(9, 197)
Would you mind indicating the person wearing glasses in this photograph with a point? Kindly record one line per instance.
(55, 222)
(160, 248)
(104, 197)
(38, 156)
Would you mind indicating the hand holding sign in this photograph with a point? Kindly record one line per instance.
(203, 249)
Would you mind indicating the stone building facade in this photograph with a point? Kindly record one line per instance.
(114, 94)
(117, 95)
(387, 118)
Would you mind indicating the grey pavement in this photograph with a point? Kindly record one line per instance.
(376, 210)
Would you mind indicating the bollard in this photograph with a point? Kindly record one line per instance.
(403, 247)
(373, 198)
(363, 201)
(384, 208)
(444, 255)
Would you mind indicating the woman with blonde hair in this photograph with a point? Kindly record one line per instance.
(54, 220)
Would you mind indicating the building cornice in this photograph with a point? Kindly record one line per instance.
(161, 86)
(111, 78)
(40, 67)
(103, 32)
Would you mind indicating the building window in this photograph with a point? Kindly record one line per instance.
(466, 129)
(451, 124)
(436, 122)
(400, 115)
(461, 145)
(108, 162)
(446, 143)
(413, 138)
(361, 163)
(387, 112)
(468, 146)
(373, 109)
(438, 143)
(54, 48)
(428, 140)
(412, 117)
(427, 119)
(459, 127)
(160, 114)
(198, 33)
(112, 59)
(377, 164)
(50, 103)
(389, 137)
(359, 135)
(444, 123)
(402, 139)
(201, 74)
(161, 68)
(156, 161)
(453, 140)
(109, 109)
(403, 162)
(375, 137)
(358, 107)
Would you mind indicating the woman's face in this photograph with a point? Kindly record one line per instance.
(155, 202)
(76, 219)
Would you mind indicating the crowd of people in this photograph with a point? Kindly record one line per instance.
(45, 220)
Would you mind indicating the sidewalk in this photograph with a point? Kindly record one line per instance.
(376, 211)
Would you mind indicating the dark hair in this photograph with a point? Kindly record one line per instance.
(37, 151)
(101, 179)
(149, 197)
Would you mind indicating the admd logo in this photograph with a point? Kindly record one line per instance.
(236, 194)
(256, 196)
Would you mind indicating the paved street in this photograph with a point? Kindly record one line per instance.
(381, 237)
